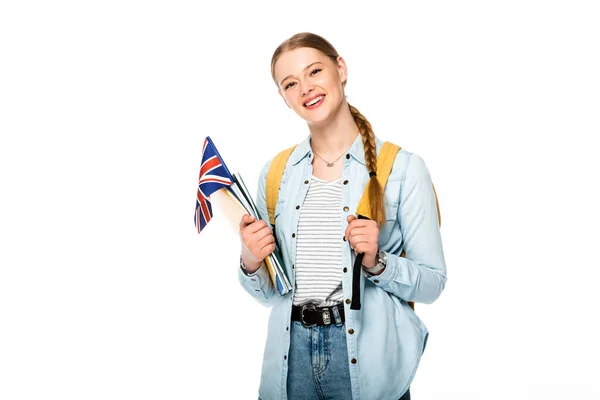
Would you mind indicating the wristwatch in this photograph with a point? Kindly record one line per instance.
(381, 263)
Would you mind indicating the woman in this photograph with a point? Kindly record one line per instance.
(317, 346)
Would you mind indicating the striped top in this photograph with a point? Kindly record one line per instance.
(319, 245)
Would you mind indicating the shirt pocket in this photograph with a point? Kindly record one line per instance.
(280, 212)
(391, 213)
(390, 205)
(281, 197)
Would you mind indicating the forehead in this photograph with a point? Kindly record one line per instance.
(293, 62)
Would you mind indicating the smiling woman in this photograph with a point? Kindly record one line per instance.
(320, 342)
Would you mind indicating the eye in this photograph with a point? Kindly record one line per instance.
(289, 85)
(315, 71)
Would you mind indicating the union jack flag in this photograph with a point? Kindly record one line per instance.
(214, 175)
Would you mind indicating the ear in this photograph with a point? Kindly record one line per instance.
(342, 69)
(281, 94)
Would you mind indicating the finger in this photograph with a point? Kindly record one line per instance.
(262, 233)
(252, 236)
(362, 223)
(350, 218)
(361, 231)
(268, 249)
(256, 226)
(364, 240)
(246, 220)
(365, 246)
(347, 233)
(267, 240)
(353, 224)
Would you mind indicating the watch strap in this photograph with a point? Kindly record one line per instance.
(381, 263)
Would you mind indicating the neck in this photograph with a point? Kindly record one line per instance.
(335, 136)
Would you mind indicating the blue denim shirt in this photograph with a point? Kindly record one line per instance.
(388, 338)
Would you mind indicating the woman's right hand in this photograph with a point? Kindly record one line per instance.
(257, 242)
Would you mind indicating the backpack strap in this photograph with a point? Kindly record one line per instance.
(385, 161)
(274, 176)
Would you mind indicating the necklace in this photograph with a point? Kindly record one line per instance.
(331, 164)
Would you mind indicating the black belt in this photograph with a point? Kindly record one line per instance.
(310, 315)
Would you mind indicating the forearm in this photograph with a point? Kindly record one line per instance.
(411, 281)
(258, 284)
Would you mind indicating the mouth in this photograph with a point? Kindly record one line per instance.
(314, 102)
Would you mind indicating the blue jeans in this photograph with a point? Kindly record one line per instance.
(318, 363)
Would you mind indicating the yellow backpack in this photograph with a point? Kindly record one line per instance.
(385, 161)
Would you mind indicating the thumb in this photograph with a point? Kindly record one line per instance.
(350, 218)
(247, 219)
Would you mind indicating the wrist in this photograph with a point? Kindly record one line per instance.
(369, 261)
(379, 267)
(249, 267)
(376, 270)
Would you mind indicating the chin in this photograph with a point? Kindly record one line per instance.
(318, 118)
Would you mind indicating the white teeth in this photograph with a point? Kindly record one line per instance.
(313, 101)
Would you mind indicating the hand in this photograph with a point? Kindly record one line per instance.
(362, 234)
(257, 242)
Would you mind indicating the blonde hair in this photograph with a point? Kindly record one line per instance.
(307, 39)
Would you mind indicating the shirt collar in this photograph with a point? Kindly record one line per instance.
(357, 151)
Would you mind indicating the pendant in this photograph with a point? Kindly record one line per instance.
(330, 164)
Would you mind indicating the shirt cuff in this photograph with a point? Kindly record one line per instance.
(385, 277)
(261, 273)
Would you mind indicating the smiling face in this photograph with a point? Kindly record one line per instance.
(311, 83)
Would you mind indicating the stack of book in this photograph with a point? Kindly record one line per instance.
(234, 200)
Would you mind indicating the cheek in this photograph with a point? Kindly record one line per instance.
(333, 82)
(290, 100)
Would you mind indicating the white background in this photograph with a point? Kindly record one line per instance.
(107, 291)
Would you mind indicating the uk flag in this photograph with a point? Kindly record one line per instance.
(214, 175)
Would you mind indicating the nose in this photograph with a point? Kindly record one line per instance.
(306, 88)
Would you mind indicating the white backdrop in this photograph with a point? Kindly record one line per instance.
(107, 291)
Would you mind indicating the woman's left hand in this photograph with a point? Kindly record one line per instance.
(362, 234)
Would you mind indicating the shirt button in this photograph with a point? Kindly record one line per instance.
(346, 182)
(345, 269)
(287, 328)
(344, 238)
(346, 208)
(351, 331)
(353, 361)
(376, 281)
(306, 182)
(292, 266)
(285, 358)
(293, 235)
(348, 301)
(297, 207)
(347, 156)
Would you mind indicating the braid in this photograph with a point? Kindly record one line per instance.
(375, 189)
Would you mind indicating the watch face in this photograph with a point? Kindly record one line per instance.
(382, 257)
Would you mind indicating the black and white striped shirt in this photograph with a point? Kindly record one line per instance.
(319, 245)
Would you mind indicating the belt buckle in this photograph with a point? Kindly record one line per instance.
(309, 307)
(326, 316)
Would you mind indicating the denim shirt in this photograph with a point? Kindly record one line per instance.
(385, 338)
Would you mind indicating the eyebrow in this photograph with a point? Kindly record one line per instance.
(307, 67)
